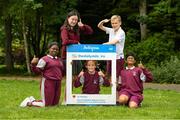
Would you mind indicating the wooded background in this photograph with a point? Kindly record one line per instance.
(151, 27)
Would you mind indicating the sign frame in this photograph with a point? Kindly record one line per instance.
(90, 52)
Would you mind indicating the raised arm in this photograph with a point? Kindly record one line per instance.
(37, 65)
(101, 24)
(146, 75)
(79, 81)
(86, 29)
(65, 37)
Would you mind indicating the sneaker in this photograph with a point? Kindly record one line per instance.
(31, 98)
(24, 102)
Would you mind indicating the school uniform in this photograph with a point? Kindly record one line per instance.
(120, 36)
(132, 83)
(91, 83)
(51, 69)
(71, 37)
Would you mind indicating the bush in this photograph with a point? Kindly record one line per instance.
(18, 70)
(155, 49)
(168, 71)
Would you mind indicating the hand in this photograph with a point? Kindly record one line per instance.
(81, 74)
(101, 73)
(80, 24)
(106, 20)
(34, 60)
(106, 43)
(140, 65)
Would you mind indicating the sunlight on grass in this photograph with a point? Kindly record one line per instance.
(157, 104)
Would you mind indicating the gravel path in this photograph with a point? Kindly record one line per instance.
(175, 87)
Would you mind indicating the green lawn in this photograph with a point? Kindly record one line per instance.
(157, 104)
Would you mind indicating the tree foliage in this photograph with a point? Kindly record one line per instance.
(43, 18)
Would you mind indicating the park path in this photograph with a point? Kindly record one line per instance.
(174, 87)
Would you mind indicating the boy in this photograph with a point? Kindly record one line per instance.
(132, 78)
(116, 37)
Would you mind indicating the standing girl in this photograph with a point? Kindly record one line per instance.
(70, 33)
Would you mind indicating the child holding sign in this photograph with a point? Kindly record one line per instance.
(91, 79)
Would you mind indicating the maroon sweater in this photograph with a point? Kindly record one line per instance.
(71, 37)
(131, 81)
(52, 70)
(91, 83)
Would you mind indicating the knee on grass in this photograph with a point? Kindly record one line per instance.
(123, 99)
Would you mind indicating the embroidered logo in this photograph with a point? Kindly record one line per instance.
(134, 73)
(95, 81)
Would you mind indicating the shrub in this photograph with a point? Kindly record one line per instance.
(155, 49)
(168, 71)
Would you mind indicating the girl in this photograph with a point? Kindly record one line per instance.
(51, 68)
(70, 34)
(91, 79)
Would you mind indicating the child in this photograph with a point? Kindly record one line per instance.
(132, 78)
(70, 34)
(51, 68)
(116, 37)
(91, 79)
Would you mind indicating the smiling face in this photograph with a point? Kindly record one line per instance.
(53, 50)
(130, 61)
(91, 66)
(73, 20)
(115, 22)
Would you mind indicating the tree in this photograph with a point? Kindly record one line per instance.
(8, 41)
(7, 18)
(143, 12)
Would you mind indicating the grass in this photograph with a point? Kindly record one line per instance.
(157, 104)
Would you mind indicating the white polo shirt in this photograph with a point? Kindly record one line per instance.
(120, 36)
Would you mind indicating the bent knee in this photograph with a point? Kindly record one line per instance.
(123, 99)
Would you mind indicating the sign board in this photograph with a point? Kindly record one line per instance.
(100, 53)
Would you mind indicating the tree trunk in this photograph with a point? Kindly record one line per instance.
(38, 32)
(8, 44)
(143, 11)
(26, 47)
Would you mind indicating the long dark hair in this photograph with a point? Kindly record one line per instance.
(66, 24)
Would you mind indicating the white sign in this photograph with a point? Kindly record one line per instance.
(83, 52)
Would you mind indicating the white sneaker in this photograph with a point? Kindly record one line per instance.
(31, 98)
(24, 102)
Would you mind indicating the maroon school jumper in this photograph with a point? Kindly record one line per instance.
(91, 83)
(131, 81)
(71, 37)
(52, 74)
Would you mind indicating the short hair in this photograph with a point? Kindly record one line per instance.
(51, 44)
(131, 54)
(116, 17)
